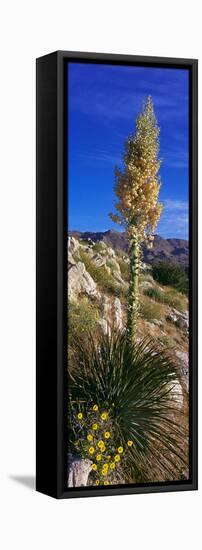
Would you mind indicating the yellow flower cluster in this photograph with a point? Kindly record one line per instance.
(105, 457)
(104, 416)
(101, 445)
(117, 458)
(91, 450)
(105, 469)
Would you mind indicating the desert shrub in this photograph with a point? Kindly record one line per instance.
(166, 341)
(82, 318)
(116, 290)
(154, 294)
(98, 247)
(146, 277)
(110, 264)
(174, 299)
(124, 414)
(121, 254)
(170, 274)
(170, 298)
(150, 310)
(124, 267)
(85, 242)
(100, 275)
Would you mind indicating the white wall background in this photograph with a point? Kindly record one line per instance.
(29, 29)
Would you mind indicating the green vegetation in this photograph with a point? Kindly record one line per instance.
(169, 274)
(124, 393)
(175, 299)
(166, 341)
(170, 298)
(98, 247)
(124, 267)
(146, 277)
(110, 264)
(82, 318)
(154, 294)
(104, 279)
(85, 242)
(149, 310)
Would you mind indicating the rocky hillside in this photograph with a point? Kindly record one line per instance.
(97, 297)
(175, 250)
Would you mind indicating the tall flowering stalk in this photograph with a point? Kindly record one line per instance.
(137, 189)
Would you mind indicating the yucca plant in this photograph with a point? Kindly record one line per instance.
(137, 187)
(127, 392)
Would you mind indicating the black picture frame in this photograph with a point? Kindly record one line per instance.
(51, 318)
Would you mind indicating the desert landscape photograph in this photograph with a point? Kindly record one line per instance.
(127, 275)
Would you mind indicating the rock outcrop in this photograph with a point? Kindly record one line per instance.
(80, 281)
(78, 472)
(177, 393)
(179, 319)
(183, 361)
(111, 315)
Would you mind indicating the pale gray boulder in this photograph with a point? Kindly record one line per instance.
(78, 472)
(80, 281)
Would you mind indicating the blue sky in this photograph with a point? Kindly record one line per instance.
(103, 103)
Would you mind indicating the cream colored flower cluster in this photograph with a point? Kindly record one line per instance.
(137, 186)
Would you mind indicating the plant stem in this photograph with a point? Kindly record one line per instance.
(133, 295)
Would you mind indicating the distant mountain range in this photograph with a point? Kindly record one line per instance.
(175, 250)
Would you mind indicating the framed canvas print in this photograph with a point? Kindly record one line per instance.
(116, 274)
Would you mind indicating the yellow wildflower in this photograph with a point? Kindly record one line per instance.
(104, 416)
(105, 466)
(100, 443)
(107, 435)
(112, 465)
(120, 450)
(98, 457)
(97, 482)
(104, 472)
(130, 443)
(89, 437)
(80, 416)
(117, 458)
(91, 450)
(94, 467)
(106, 482)
(95, 408)
(94, 426)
